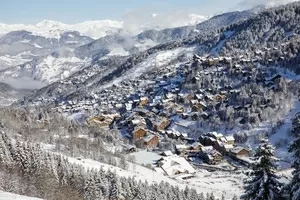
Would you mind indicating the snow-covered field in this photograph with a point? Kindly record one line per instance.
(11, 196)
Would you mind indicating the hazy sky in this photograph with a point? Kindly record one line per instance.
(72, 11)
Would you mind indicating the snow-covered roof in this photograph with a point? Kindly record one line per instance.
(175, 164)
(207, 148)
(136, 121)
(236, 150)
(149, 138)
(167, 153)
(228, 146)
(144, 98)
(181, 146)
(230, 138)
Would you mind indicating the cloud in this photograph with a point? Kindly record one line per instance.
(23, 83)
(136, 21)
(252, 3)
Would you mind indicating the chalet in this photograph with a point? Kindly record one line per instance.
(207, 141)
(161, 123)
(151, 141)
(137, 120)
(230, 140)
(215, 135)
(103, 120)
(209, 97)
(144, 101)
(175, 165)
(180, 148)
(220, 98)
(223, 148)
(240, 152)
(210, 155)
(138, 133)
(199, 96)
(173, 134)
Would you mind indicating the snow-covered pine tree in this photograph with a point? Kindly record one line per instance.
(5, 157)
(294, 186)
(263, 183)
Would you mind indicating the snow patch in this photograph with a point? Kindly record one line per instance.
(11, 196)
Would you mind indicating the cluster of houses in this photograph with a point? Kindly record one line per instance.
(212, 147)
(145, 109)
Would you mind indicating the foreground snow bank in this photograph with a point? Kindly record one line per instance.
(11, 196)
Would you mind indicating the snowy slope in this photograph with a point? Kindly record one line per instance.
(46, 69)
(154, 62)
(11, 196)
(9, 61)
(219, 183)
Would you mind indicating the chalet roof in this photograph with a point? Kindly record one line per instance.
(167, 153)
(149, 138)
(135, 121)
(199, 96)
(215, 134)
(144, 98)
(230, 138)
(207, 149)
(228, 146)
(180, 147)
(193, 101)
(174, 164)
(238, 149)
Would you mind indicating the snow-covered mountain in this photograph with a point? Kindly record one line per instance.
(23, 54)
(47, 69)
(45, 51)
(94, 29)
(17, 42)
(124, 44)
(9, 94)
(54, 29)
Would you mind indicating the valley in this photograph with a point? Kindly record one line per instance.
(91, 111)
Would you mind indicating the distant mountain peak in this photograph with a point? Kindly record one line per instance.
(50, 24)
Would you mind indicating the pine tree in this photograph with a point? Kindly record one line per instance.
(5, 157)
(263, 183)
(294, 186)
